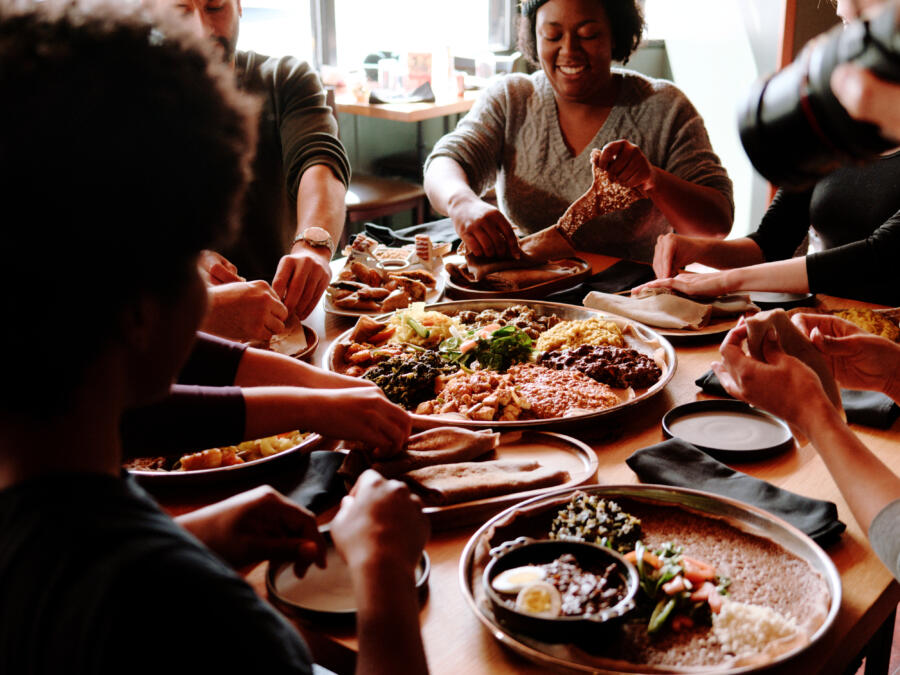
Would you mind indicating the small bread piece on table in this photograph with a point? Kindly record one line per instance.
(467, 481)
(441, 445)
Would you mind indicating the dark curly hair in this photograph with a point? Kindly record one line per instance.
(125, 148)
(625, 18)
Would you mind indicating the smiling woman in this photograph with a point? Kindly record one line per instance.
(533, 135)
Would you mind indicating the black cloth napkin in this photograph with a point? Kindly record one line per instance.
(438, 230)
(677, 463)
(621, 276)
(321, 485)
(869, 408)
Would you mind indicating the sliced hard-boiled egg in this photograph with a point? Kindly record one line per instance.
(540, 598)
(515, 579)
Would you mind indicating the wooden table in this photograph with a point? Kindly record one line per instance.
(455, 640)
(410, 112)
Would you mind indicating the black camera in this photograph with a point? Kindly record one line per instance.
(794, 129)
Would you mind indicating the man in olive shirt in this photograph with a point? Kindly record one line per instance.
(296, 200)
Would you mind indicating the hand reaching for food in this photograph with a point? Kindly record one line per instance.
(360, 413)
(858, 359)
(245, 310)
(707, 285)
(672, 253)
(484, 230)
(257, 525)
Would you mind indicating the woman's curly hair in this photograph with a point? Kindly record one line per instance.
(625, 18)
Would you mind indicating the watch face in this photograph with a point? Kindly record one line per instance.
(317, 235)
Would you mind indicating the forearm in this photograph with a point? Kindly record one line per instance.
(320, 201)
(259, 368)
(388, 625)
(691, 209)
(864, 480)
(275, 410)
(725, 253)
(788, 276)
(446, 184)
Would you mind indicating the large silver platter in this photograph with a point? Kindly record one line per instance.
(744, 517)
(639, 337)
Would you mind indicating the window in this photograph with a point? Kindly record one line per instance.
(357, 28)
(344, 32)
(277, 28)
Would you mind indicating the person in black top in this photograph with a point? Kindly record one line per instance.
(855, 211)
(94, 578)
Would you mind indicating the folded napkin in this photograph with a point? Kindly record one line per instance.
(321, 485)
(677, 463)
(869, 408)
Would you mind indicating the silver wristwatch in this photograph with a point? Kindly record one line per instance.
(317, 237)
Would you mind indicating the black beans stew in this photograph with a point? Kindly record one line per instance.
(616, 366)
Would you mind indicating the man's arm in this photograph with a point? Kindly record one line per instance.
(303, 274)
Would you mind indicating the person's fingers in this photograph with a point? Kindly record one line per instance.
(278, 309)
(283, 275)
(224, 275)
(631, 170)
(305, 309)
(498, 241)
(298, 289)
(757, 330)
(609, 153)
(733, 342)
(726, 380)
(472, 244)
(512, 241)
(273, 324)
(484, 243)
(662, 258)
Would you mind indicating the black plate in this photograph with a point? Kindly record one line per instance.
(731, 431)
(771, 300)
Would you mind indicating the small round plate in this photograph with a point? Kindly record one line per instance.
(324, 595)
(772, 300)
(728, 430)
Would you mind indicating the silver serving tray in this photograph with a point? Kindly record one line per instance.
(640, 337)
(742, 516)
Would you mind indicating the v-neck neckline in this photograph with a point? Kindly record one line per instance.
(552, 121)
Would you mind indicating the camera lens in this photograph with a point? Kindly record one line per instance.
(794, 129)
